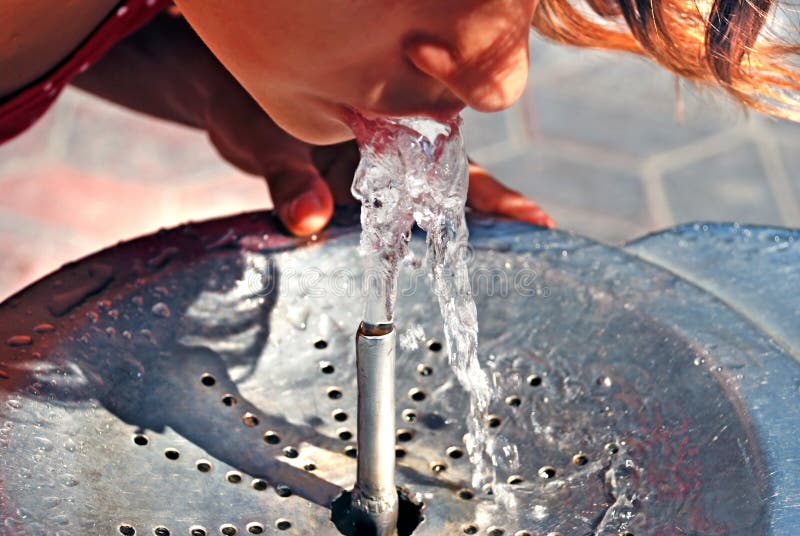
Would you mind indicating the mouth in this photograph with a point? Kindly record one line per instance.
(443, 110)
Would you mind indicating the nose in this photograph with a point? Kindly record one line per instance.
(486, 66)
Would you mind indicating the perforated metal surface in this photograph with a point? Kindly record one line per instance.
(201, 381)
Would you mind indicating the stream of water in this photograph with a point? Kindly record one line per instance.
(416, 170)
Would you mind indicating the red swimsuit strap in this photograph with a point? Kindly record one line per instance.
(22, 109)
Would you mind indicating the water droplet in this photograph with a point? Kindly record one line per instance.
(14, 404)
(161, 309)
(44, 328)
(43, 444)
(68, 480)
(93, 317)
(20, 340)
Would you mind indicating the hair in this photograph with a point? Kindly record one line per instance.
(748, 47)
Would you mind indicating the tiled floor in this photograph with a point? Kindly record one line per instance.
(595, 140)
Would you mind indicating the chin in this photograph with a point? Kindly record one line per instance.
(316, 125)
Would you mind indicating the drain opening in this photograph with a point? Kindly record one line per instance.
(410, 416)
(283, 490)
(228, 530)
(580, 459)
(352, 523)
(469, 529)
(272, 437)
(534, 380)
(438, 467)
(334, 393)
(466, 494)
(350, 451)
(513, 401)
(326, 367)
(310, 467)
(523, 533)
(161, 531)
(290, 452)
(283, 524)
(339, 415)
(400, 452)
(495, 531)
(435, 346)
(546, 472)
(229, 400)
(515, 480)
(494, 421)
(249, 419)
(404, 435)
(197, 531)
(234, 477)
(455, 453)
(255, 528)
(424, 370)
(127, 530)
(172, 454)
(203, 466)
(207, 379)
(321, 344)
(344, 434)
(259, 485)
(612, 448)
(140, 440)
(416, 394)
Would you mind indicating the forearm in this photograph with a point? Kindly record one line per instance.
(162, 70)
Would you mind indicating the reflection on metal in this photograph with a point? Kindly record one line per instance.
(203, 381)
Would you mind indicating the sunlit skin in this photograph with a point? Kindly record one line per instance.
(306, 63)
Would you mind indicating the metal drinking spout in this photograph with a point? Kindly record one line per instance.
(375, 502)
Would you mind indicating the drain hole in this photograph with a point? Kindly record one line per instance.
(400, 452)
(283, 490)
(546, 472)
(140, 440)
(554, 534)
(326, 367)
(612, 448)
(339, 415)
(259, 485)
(345, 434)
(424, 370)
(172, 454)
(455, 452)
(438, 467)
(127, 530)
(513, 401)
(416, 394)
(352, 522)
(350, 451)
(290, 452)
(228, 530)
(197, 531)
(283, 524)
(255, 528)
(534, 380)
(626, 533)
(515, 480)
(466, 494)
(229, 400)
(321, 344)
(234, 477)
(161, 531)
(523, 533)
(495, 531)
(334, 393)
(435, 346)
(469, 529)
(203, 466)
(207, 379)
(249, 419)
(494, 421)
(410, 416)
(272, 438)
(404, 435)
(310, 467)
(487, 490)
(580, 459)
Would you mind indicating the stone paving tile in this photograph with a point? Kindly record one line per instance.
(729, 186)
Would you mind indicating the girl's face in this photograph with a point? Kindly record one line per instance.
(307, 62)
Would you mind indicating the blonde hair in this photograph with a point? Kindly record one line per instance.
(746, 46)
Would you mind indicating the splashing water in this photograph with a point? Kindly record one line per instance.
(416, 169)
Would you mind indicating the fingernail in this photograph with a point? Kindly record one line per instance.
(304, 205)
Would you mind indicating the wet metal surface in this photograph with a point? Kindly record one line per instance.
(202, 381)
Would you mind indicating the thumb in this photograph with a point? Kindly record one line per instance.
(301, 197)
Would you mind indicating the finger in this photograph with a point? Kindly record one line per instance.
(487, 194)
(301, 197)
(339, 170)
